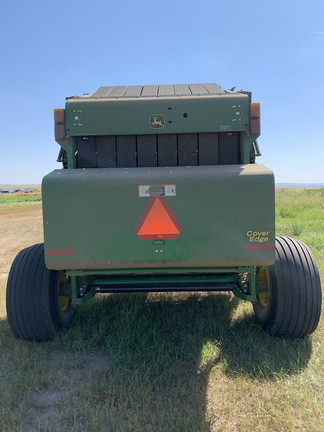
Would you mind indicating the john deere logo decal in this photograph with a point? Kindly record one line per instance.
(157, 121)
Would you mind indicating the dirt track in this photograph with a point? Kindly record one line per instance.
(21, 226)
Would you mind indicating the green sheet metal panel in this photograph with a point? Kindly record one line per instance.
(224, 216)
(154, 115)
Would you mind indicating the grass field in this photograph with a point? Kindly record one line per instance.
(163, 362)
(12, 198)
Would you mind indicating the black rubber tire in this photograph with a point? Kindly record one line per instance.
(33, 309)
(293, 307)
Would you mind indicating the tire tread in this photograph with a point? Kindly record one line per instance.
(32, 297)
(295, 296)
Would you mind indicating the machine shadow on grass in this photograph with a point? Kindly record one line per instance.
(163, 348)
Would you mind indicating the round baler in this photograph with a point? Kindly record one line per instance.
(159, 191)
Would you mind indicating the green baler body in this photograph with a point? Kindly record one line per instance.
(185, 148)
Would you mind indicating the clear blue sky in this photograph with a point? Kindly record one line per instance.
(50, 50)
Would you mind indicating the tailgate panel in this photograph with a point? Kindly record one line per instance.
(211, 216)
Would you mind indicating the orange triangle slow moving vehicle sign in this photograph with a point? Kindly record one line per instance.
(158, 221)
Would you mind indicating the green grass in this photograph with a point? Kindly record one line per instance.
(300, 214)
(171, 362)
(14, 198)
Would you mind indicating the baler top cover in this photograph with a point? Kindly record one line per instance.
(157, 109)
(166, 90)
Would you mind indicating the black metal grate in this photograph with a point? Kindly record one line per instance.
(188, 149)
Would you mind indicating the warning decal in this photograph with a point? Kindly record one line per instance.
(145, 191)
(158, 221)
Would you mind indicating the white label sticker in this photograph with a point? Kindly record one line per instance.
(170, 190)
(156, 190)
(144, 191)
